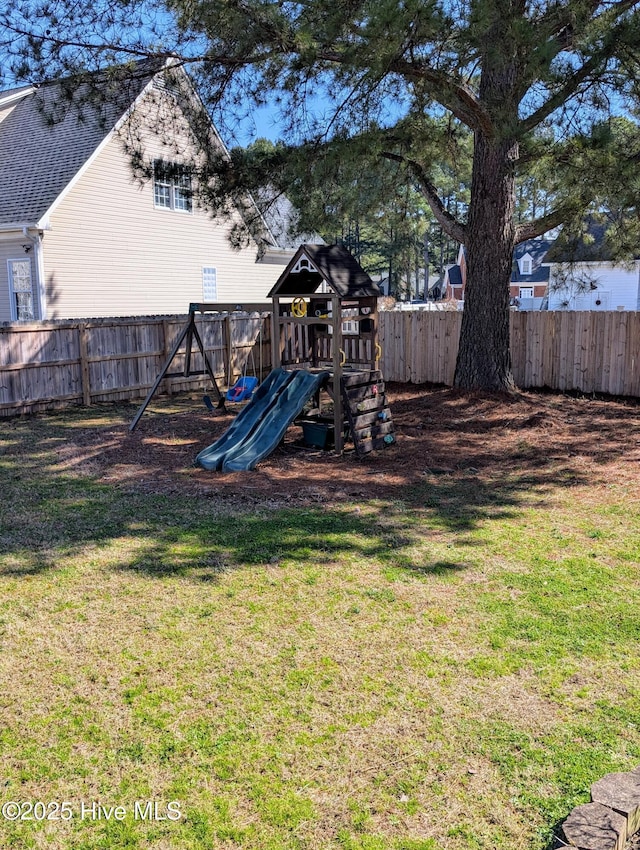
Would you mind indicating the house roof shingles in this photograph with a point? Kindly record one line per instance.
(455, 275)
(537, 250)
(594, 244)
(46, 138)
(539, 275)
(280, 217)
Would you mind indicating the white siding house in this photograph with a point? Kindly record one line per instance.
(595, 286)
(584, 274)
(80, 236)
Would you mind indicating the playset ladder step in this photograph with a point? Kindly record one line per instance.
(367, 411)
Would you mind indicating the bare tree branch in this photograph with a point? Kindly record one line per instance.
(533, 229)
(451, 226)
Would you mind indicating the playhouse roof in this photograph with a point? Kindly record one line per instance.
(332, 264)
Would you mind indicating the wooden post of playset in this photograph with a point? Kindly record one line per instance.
(276, 354)
(338, 414)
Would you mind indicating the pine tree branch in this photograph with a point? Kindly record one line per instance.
(451, 226)
(571, 86)
(560, 21)
(111, 47)
(450, 92)
(564, 39)
(453, 94)
(134, 51)
(533, 229)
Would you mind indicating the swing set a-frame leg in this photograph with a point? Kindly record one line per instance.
(189, 331)
(205, 359)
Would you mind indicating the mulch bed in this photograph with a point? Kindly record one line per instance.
(537, 438)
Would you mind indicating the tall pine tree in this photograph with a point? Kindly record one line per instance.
(505, 69)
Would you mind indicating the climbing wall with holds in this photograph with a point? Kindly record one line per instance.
(367, 411)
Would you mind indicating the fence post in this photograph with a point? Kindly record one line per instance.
(165, 353)
(228, 351)
(84, 365)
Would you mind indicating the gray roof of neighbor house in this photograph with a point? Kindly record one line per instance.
(52, 131)
(537, 249)
(539, 275)
(335, 265)
(281, 218)
(454, 274)
(592, 245)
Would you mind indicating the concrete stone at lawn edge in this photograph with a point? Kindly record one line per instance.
(620, 791)
(595, 827)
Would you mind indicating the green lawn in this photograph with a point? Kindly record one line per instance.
(450, 671)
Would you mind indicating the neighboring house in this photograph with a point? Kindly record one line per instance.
(563, 274)
(437, 290)
(81, 235)
(383, 282)
(530, 275)
(455, 278)
(585, 277)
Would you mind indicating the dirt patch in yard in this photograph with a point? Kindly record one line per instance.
(533, 440)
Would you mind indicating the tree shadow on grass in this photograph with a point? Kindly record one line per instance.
(24, 563)
(170, 535)
(56, 503)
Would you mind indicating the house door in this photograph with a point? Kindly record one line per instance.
(23, 302)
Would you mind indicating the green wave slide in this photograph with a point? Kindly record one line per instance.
(259, 427)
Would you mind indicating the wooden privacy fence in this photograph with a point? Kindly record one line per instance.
(79, 362)
(419, 346)
(50, 364)
(586, 351)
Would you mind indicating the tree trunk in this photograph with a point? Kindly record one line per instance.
(484, 356)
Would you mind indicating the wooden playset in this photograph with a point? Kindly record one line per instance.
(325, 331)
(325, 317)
